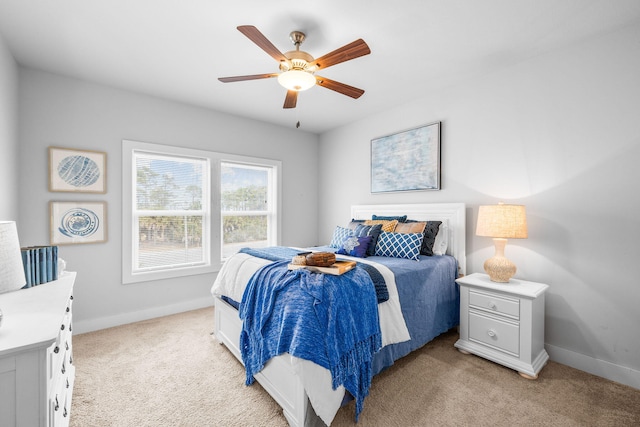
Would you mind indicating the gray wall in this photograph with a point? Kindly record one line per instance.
(8, 135)
(60, 111)
(558, 133)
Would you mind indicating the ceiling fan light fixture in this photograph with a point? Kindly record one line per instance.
(297, 80)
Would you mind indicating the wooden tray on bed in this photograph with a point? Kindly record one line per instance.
(336, 269)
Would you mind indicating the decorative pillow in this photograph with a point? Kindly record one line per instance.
(339, 234)
(401, 218)
(369, 230)
(399, 245)
(355, 246)
(354, 223)
(387, 225)
(430, 232)
(442, 241)
(410, 227)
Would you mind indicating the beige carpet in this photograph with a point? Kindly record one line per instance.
(171, 372)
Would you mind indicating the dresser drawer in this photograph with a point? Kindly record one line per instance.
(499, 334)
(495, 303)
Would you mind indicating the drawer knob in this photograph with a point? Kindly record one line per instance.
(492, 333)
(493, 305)
(57, 406)
(56, 350)
(62, 327)
(68, 309)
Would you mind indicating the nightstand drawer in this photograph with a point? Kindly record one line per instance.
(495, 303)
(498, 334)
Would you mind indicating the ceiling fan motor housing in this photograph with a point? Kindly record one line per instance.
(298, 60)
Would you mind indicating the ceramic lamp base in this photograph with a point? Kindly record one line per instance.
(499, 268)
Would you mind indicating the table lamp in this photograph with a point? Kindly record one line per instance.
(501, 222)
(11, 268)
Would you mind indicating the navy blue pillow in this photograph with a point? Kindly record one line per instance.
(402, 218)
(369, 230)
(355, 246)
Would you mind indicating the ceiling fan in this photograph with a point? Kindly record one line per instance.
(298, 67)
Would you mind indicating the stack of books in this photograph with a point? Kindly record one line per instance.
(40, 264)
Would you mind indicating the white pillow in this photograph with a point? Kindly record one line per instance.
(441, 243)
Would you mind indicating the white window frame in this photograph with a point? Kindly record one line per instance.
(214, 227)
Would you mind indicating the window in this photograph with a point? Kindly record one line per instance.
(185, 210)
(248, 217)
(169, 216)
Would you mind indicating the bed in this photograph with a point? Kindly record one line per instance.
(303, 389)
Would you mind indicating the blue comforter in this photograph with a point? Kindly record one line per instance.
(314, 317)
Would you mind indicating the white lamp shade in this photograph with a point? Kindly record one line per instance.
(296, 80)
(502, 221)
(11, 268)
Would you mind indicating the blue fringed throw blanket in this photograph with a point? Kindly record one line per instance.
(329, 320)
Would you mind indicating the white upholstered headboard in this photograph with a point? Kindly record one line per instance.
(452, 215)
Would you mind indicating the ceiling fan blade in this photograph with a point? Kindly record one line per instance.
(342, 88)
(352, 50)
(291, 99)
(263, 43)
(251, 77)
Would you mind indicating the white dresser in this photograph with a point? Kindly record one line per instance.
(503, 322)
(36, 362)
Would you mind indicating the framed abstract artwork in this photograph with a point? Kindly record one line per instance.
(406, 161)
(77, 171)
(78, 222)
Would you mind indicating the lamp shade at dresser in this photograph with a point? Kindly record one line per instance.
(36, 361)
(503, 322)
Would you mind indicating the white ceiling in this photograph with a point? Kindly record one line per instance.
(176, 49)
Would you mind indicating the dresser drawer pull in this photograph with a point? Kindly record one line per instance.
(492, 333)
(64, 412)
(55, 408)
(56, 350)
(67, 382)
(68, 309)
(62, 327)
(64, 369)
(66, 344)
(71, 297)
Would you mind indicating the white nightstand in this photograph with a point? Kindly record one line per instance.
(503, 322)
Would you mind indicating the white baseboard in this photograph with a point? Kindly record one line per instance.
(601, 368)
(89, 325)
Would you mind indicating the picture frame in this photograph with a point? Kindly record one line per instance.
(77, 171)
(407, 160)
(78, 222)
